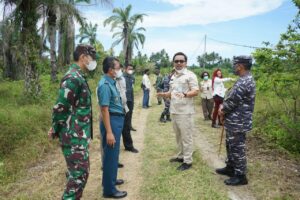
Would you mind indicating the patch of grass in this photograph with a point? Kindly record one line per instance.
(161, 179)
(24, 125)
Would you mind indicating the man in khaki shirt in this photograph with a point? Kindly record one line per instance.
(183, 87)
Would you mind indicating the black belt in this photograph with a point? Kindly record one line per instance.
(117, 114)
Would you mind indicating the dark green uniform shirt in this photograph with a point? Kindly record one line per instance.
(72, 113)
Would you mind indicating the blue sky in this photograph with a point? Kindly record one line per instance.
(180, 25)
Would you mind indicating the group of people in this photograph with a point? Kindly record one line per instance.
(72, 118)
(212, 95)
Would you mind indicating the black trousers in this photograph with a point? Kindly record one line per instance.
(127, 140)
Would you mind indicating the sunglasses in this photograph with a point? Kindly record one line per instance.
(179, 61)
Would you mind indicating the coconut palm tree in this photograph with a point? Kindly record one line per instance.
(135, 38)
(88, 32)
(125, 22)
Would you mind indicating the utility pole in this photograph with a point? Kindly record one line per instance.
(204, 51)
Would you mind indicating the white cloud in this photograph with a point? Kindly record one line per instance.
(201, 12)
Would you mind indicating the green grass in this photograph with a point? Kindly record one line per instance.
(161, 179)
(24, 125)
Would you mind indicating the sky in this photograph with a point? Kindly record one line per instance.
(181, 25)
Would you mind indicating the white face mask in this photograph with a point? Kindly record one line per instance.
(119, 73)
(130, 72)
(180, 71)
(91, 65)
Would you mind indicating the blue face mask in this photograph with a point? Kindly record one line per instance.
(205, 78)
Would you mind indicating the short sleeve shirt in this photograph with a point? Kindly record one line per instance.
(108, 95)
(183, 83)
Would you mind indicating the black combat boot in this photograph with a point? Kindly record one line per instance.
(237, 180)
(168, 118)
(228, 171)
(162, 118)
(215, 126)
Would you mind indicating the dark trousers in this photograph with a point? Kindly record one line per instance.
(146, 98)
(111, 155)
(218, 101)
(207, 107)
(236, 152)
(127, 140)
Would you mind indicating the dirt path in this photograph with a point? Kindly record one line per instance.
(208, 147)
(132, 161)
(46, 179)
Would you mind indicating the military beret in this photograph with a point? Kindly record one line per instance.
(242, 59)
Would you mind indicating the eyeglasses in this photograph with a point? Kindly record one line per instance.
(179, 61)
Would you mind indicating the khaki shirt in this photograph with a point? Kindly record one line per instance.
(121, 86)
(206, 89)
(183, 83)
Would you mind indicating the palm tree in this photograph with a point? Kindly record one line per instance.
(88, 31)
(123, 21)
(54, 16)
(25, 15)
(135, 38)
(67, 32)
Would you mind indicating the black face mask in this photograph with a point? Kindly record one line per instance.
(234, 67)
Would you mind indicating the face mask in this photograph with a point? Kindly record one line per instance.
(130, 72)
(179, 71)
(119, 73)
(205, 78)
(91, 65)
(235, 69)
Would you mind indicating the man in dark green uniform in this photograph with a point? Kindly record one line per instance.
(72, 120)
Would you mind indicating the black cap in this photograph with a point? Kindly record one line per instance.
(90, 50)
(242, 59)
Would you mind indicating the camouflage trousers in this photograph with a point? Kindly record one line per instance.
(236, 152)
(77, 159)
(166, 111)
(159, 99)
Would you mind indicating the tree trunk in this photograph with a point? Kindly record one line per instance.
(125, 45)
(61, 45)
(129, 50)
(52, 41)
(71, 40)
(29, 38)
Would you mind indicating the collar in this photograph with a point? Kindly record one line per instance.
(184, 72)
(109, 79)
(77, 68)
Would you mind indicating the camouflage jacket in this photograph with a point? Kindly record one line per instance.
(238, 105)
(72, 113)
(158, 82)
(166, 83)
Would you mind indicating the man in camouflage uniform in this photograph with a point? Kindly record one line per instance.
(72, 120)
(157, 85)
(165, 88)
(237, 110)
